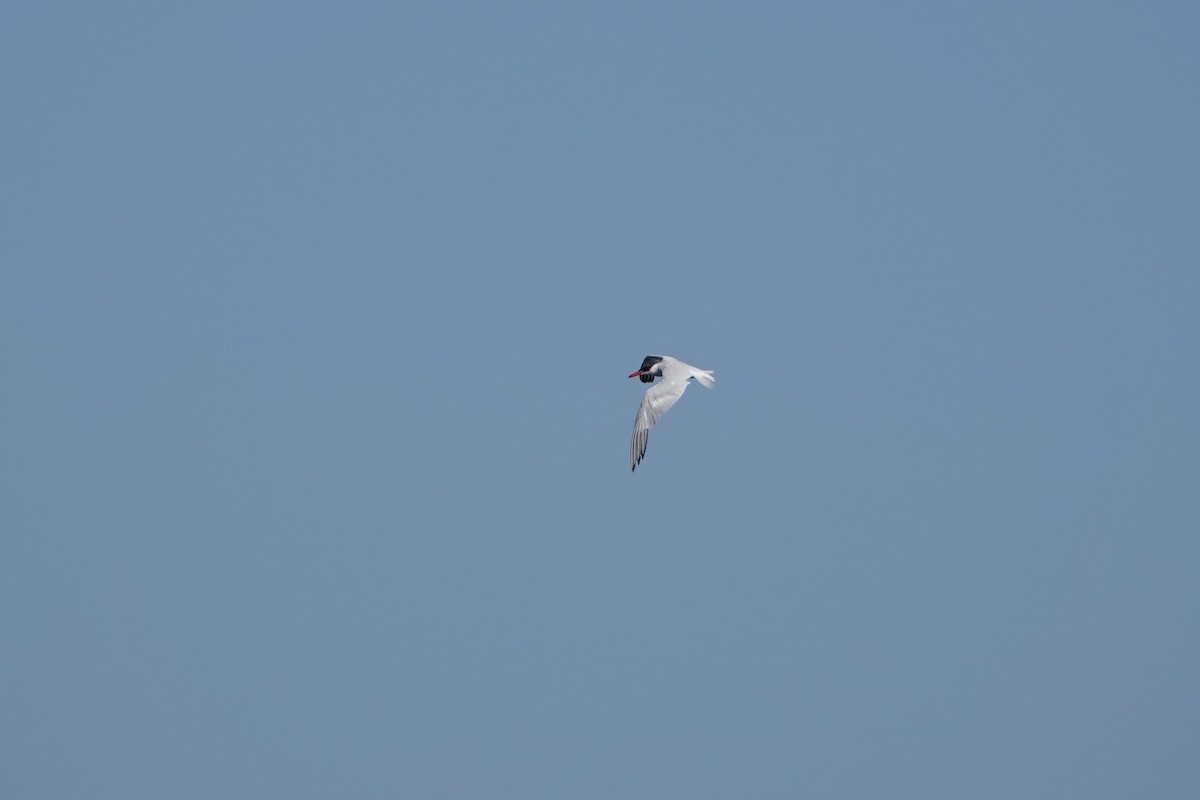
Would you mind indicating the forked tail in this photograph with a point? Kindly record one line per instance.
(705, 377)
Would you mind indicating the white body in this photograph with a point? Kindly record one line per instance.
(667, 389)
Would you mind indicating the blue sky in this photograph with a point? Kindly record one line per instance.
(317, 320)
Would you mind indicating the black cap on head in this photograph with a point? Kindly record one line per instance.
(647, 368)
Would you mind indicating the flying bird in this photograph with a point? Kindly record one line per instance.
(675, 376)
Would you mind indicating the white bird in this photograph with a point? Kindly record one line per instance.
(675, 377)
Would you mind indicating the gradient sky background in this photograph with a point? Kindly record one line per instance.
(316, 320)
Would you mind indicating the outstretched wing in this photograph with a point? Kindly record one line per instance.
(655, 403)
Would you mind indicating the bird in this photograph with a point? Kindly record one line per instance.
(675, 377)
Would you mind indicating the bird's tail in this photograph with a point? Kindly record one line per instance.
(705, 377)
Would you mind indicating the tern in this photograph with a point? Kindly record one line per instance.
(675, 378)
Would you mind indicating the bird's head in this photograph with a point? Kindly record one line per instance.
(649, 369)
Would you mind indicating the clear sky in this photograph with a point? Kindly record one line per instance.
(315, 322)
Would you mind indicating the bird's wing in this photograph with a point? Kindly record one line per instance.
(655, 403)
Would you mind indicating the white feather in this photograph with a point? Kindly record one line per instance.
(660, 397)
